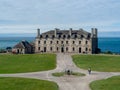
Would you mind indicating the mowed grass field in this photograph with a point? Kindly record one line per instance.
(105, 63)
(112, 83)
(26, 84)
(27, 63)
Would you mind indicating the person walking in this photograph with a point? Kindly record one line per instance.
(89, 70)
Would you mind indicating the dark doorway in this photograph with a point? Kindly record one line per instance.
(62, 49)
(44, 49)
(79, 50)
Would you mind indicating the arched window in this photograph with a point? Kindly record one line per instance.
(51, 49)
(46, 36)
(53, 36)
(57, 48)
(66, 42)
(66, 48)
(51, 42)
(57, 42)
(73, 49)
(44, 42)
(64, 36)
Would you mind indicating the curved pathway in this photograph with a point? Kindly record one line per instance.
(67, 82)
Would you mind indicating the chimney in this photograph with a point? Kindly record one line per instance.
(70, 32)
(38, 32)
(94, 32)
(56, 29)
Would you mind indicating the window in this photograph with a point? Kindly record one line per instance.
(73, 42)
(38, 48)
(86, 42)
(57, 42)
(79, 42)
(73, 49)
(51, 42)
(51, 48)
(38, 42)
(66, 48)
(61, 42)
(64, 36)
(57, 48)
(44, 42)
(66, 42)
(53, 36)
(46, 36)
(86, 49)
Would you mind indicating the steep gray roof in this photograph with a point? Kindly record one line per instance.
(66, 34)
(23, 44)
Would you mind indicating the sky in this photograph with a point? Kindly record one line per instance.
(25, 16)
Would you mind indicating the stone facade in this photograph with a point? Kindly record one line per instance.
(67, 41)
(23, 47)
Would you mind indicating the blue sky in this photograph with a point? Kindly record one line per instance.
(25, 16)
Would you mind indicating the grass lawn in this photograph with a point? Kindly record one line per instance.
(106, 84)
(7, 83)
(98, 62)
(27, 63)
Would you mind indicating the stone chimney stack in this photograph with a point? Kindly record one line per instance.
(70, 32)
(56, 29)
(38, 32)
(94, 33)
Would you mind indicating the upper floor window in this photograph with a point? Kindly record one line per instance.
(61, 42)
(66, 42)
(86, 42)
(46, 36)
(38, 42)
(79, 42)
(44, 42)
(51, 42)
(53, 36)
(57, 42)
(66, 48)
(73, 42)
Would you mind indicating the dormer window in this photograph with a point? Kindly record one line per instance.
(46, 36)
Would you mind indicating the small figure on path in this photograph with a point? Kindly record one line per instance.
(89, 70)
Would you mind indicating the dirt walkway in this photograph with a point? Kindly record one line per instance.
(64, 62)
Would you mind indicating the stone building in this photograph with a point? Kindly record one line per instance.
(67, 41)
(23, 47)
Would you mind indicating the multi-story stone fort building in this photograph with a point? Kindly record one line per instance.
(67, 41)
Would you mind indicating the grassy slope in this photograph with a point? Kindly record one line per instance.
(106, 84)
(27, 63)
(26, 84)
(98, 62)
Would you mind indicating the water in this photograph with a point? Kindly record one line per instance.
(105, 44)
(11, 41)
(109, 44)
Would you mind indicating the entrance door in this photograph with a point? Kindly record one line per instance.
(62, 49)
(79, 50)
(44, 49)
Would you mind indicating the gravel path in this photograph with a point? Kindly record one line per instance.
(67, 82)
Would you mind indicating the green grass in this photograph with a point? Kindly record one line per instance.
(27, 63)
(59, 74)
(98, 62)
(26, 84)
(106, 84)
